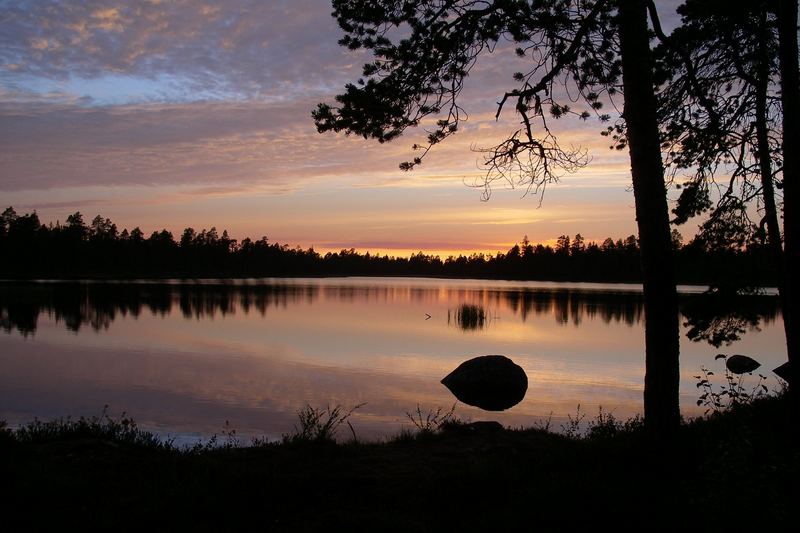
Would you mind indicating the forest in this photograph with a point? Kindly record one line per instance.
(34, 250)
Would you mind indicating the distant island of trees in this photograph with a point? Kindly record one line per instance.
(31, 249)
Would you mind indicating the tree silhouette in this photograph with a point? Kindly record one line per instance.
(76, 229)
(7, 218)
(32, 250)
(735, 127)
(598, 48)
(790, 99)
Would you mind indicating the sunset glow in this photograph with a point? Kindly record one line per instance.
(178, 114)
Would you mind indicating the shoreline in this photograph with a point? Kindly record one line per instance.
(739, 463)
(248, 281)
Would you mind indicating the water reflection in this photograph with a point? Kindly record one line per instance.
(187, 356)
(468, 317)
(721, 318)
(97, 305)
(711, 318)
(572, 306)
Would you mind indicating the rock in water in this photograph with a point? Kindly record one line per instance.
(741, 364)
(491, 382)
(784, 373)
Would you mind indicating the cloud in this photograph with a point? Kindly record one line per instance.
(219, 144)
(216, 95)
(243, 47)
(189, 50)
(200, 143)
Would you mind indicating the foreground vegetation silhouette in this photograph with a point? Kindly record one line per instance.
(105, 472)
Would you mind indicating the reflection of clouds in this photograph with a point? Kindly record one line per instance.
(258, 394)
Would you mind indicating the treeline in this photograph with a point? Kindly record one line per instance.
(30, 249)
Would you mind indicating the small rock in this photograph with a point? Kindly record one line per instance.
(481, 426)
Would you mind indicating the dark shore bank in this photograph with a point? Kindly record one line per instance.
(725, 471)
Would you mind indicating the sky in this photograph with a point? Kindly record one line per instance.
(174, 114)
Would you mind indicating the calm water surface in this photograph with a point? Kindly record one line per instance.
(184, 358)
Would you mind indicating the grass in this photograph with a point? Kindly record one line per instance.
(316, 425)
(469, 317)
(433, 420)
(122, 430)
(740, 465)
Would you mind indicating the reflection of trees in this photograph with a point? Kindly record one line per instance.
(715, 318)
(18, 315)
(571, 305)
(720, 317)
(97, 305)
(469, 317)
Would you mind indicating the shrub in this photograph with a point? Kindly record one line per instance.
(733, 392)
(105, 427)
(320, 425)
(433, 420)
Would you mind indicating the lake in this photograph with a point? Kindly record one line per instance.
(185, 358)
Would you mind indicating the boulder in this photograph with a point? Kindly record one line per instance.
(784, 373)
(490, 382)
(741, 364)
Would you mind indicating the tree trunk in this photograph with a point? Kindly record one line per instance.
(774, 241)
(790, 98)
(661, 382)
